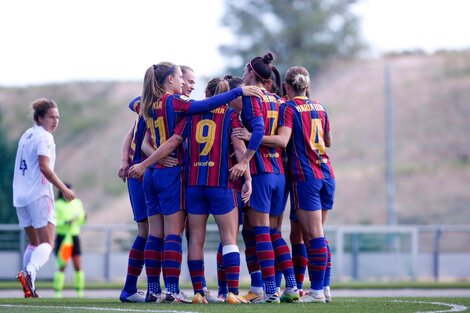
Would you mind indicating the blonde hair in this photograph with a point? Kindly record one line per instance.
(216, 86)
(153, 88)
(222, 87)
(299, 78)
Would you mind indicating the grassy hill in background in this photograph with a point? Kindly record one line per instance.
(431, 98)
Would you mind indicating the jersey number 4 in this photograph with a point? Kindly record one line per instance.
(316, 136)
(23, 166)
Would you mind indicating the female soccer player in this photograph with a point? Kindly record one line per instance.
(189, 80)
(216, 86)
(132, 153)
(149, 241)
(267, 201)
(163, 107)
(33, 196)
(305, 123)
(210, 189)
(188, 86)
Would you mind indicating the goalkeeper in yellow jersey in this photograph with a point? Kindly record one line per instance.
(70, 216)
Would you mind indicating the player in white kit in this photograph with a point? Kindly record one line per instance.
(33, 195)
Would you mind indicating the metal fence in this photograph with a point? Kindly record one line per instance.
(414, 252)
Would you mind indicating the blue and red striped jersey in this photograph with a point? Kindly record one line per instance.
(209, 146)
(306, 150)
(163, 119)
(252, 118)
(170, 110)
(135, 152)
(266, 159)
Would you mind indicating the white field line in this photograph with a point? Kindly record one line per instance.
(90, 308)
(451, 307)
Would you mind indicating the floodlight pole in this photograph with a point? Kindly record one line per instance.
(389, 165)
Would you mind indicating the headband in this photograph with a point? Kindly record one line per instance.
(253, 69)
(170, 70)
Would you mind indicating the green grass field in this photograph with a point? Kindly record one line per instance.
(92, 285)
(349, 305)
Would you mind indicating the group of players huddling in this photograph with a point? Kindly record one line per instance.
(237, 155)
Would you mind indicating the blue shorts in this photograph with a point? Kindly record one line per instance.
(210, 200)
(268, 193)
(137, 198)
(164, 190)
(312, 195)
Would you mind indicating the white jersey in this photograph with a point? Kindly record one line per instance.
(29, 183)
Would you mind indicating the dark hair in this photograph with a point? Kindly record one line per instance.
(262, 67)
(60, 194)
(276, 82)
(283, 87)
(153, 88)
(298, 78)
(233, 81)
(41, 106)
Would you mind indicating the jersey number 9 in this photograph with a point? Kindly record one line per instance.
(208, 138)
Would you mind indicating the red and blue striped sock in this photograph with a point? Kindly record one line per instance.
(153, 263)
(221, 277)
(135, 264)
(231, 262)
(283, 257)
(300, 262)
(326, 281)
(317, 257)
(277, 273)
(172, 257)
(251, 259)
(265, 255)
(196, 270)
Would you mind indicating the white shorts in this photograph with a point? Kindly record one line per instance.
(38, 213)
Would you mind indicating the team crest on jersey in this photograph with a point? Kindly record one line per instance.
(184, 98)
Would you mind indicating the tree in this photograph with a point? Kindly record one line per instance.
(299, 32)
(7, 161)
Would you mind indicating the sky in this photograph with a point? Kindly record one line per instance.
(51, 41)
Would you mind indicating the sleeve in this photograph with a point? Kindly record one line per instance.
(257, 133)
(46, 145)
(327, 123)
(134, 105)
(182, 128)
(235, 120)
(326, 120)
(286, 116)
(182, 103)
(252, 107)
(254, 116)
